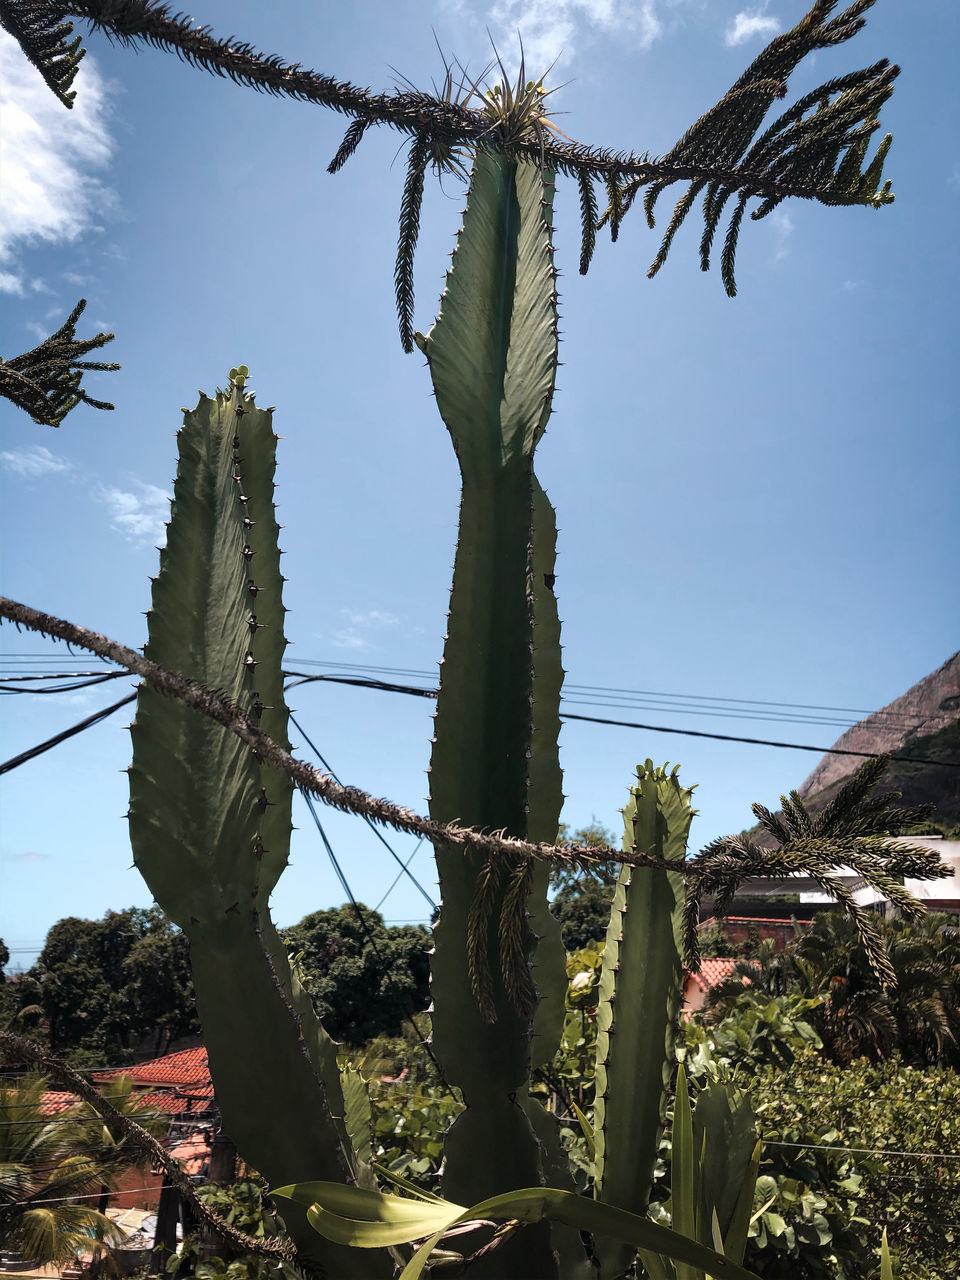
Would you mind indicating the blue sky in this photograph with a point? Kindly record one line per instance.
(756, 497)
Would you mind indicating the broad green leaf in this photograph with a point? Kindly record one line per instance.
(886, 1262)
(365, 1233)
(736, 1240)
(587, 1129)
(682, 1190)
(534, 1204)
(406, 1219)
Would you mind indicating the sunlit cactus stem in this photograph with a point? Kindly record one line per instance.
(210, 822)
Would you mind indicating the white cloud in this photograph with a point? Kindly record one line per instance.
(550, 28)
(360, 623)
(50, 155)
(33, 462)
(782, 225)
(9, 283)
(141, 517)
(747, 25)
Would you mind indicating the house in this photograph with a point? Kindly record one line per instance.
(803, 897)
(713, 970)
(178, 1086)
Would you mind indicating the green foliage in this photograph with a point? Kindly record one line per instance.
(918, 1018)
(889, 1107)
(110, 987)
(239, 1203)
(583, 895)
(570, 1078)
(364, 978)
(829, 1192)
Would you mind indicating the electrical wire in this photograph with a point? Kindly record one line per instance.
(376, 831)
(614, 695)
(632, 724)
(15, 761)
(396, 881)
(408, 1013)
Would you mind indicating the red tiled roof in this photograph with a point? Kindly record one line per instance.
(193, 1153)
(54, 1101)
(712, 971)
(187, 1069)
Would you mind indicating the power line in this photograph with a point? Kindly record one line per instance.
(368, 933)
(396, 881)
(760, 742)
(387, 687)
(55, 741)
(649, 728)
(618, 694)
(404, 867)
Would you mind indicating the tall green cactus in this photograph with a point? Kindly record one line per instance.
(210, 824)
(641, 984)
(493, 355)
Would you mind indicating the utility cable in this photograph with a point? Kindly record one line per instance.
(368, 934)
(55, 741)
(649, 728)
(760, 742)
(379, 834)
(396, 878)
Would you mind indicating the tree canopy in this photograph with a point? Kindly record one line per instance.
(110, 987)
(365, 977)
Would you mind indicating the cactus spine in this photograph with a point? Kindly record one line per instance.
(210, 824)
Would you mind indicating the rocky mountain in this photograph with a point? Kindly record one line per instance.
(923, 725)
(932, 705)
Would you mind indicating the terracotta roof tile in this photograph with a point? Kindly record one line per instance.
(54, 1101)
(712, 971)
(187, 1069)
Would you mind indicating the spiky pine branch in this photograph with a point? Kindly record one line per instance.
(46, 381)
(857, 829)
(44, 37)
(816, 150)
(821, 141)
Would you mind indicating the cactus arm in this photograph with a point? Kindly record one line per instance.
(492, 358)
(210, 824)
(640, 990)
(546, 782)
(549, 968)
